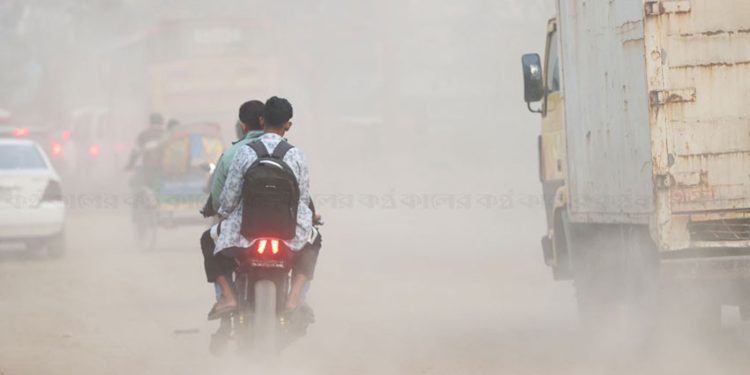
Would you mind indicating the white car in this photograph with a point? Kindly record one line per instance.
(32, 209)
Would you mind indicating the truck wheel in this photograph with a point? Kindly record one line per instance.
(590, 275)
(616, 278)
(563, 269)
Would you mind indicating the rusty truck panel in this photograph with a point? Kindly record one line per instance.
(657, 117)
(698, 67)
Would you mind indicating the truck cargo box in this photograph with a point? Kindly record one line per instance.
(657, 117)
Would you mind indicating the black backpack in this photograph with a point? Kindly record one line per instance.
(270, 195)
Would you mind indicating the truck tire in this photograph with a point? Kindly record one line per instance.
(563, 269)
(616, 277)
(591, 298)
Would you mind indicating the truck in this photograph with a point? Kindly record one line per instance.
(644, 152)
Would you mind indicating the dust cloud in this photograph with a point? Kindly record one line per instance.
(423, 163)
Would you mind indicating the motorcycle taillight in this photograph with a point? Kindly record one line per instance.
(263, 244)
(267, 253)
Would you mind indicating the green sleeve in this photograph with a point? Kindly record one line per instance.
(217, 185)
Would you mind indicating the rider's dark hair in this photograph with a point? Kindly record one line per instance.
(250, 113)
(278, 111)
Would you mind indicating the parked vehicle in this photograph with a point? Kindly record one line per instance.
(32, 210)
(644, 150)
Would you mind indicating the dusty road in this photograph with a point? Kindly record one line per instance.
(412, 292)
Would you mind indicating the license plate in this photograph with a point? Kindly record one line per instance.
(260, 263)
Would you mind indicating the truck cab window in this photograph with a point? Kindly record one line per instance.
(553, 64)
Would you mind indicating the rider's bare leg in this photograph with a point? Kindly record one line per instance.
(298, 285)
(227, 299)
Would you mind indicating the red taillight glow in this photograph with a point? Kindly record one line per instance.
(56, 149)
(275, 246)
(20, 132)
(93, 150)
(65, 135)
(262, 246)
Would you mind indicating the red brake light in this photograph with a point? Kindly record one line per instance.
(275, 246)
(56, 149)
(93, 150)
(20, 132)
(65, 135)
(262, 246)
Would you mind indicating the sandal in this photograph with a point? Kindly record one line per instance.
(220, 312)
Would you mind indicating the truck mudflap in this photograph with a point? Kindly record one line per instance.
(724, 268)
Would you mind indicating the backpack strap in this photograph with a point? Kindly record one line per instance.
(260, 149)
(281, 149)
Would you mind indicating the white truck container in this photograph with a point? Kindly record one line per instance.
(645, 140)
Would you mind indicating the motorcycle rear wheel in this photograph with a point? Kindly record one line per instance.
(264, 319)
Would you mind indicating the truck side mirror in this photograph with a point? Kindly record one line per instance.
(533, 80)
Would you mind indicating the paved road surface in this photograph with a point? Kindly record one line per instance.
(412, 292)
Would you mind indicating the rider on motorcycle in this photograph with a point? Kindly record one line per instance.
(306, 242)
(249, 128)
(148, 150)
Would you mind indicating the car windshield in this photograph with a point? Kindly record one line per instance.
(20, 157)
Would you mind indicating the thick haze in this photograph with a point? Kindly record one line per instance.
(423, 162)
(400, 86)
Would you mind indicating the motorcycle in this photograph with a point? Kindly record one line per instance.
(262, 285)
(262, 280)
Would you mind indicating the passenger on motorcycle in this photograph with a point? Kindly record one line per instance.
(228, 233)
(249, 128)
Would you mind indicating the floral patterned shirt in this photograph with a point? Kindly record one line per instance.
(230, 209)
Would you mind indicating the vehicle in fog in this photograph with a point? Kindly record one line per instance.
(262, 282)
(644, 149)
(91, 150)
(201, 69)
(46, 137)
(187, 156)
(32, 210)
